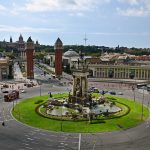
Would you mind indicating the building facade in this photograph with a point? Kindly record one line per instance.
(21, 48)
(18, 47)
(110, 65)
(120, 71)
(6, 68)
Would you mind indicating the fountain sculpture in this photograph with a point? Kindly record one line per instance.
(79, 103)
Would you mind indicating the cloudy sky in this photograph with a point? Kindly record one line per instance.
(105, 22)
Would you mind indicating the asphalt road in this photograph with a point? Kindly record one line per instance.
(17, 136)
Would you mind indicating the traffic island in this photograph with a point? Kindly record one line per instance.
(30, 111)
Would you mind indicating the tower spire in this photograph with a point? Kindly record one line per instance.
(85, 40)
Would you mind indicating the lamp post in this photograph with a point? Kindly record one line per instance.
(61, 119)
(133, 89)
(3, 123)
(142, 105)
(39, 82)
(132, 75)
(13, 105)
(40, 89)
(94, 145)
(148, 101)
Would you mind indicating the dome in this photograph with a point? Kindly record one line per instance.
(70, 53)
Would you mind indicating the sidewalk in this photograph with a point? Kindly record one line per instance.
(17, 72)
(133, 81)
(18, 83)
(19, 77)
(65, 75)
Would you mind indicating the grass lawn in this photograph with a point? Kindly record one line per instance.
(25, 112)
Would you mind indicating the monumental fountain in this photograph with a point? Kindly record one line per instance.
(79, 104)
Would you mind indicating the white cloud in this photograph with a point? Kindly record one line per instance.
(137, 8)
(137, 3)
(121, 33)
(131, 2)
(133, 12)
(16, 9)
(5, 28)
(62, 5)
(2, 9)
(147, 4)
(73, 7)
(80, 14)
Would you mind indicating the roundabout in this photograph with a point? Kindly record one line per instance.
(32, 111)
(23, 137)
(25, 134)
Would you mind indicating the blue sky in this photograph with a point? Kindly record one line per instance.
(105, 22)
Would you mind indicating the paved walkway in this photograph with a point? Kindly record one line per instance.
(17, 73)
(18, 82)
(133, 81)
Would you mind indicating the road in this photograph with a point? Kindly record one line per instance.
(17, 136)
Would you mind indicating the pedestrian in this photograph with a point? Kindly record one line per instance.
(50, 94)
(3, 123)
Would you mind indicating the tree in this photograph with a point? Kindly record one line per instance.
(67, 69)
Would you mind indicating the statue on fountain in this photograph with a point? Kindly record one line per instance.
(80, 82)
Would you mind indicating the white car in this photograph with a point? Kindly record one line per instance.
(23, 91)
(120, 93)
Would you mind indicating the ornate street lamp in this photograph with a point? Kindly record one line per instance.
(39, 82)
(142, 105)
(132, 75)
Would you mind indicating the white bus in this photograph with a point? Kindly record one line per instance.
(141, 85)
(148, 87)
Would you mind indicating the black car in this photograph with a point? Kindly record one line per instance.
(103, 92)
(5, 91)
(112, 92)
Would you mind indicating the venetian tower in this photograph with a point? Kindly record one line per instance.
(29, 58)
(58, 47)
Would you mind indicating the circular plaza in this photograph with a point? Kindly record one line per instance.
(33, 111)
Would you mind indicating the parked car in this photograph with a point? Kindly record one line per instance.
(112, 92)
(5, 91)
(23, 91)
(95, 90)
(5, 86)
(91, 89)
(32, 83)
(103, 92)
(120, 93)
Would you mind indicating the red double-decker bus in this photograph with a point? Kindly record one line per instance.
(11, 95)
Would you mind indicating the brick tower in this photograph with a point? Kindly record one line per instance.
(58, 57)
(29, 56)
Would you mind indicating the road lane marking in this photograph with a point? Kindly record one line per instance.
(79, 146)
(30, 139)
(26, 144)
(36, 137)
(28, 147)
